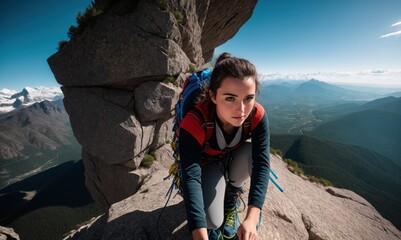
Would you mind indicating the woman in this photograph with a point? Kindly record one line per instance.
(215, 168)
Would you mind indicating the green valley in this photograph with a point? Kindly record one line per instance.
(368, 173)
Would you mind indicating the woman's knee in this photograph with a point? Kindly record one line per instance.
(241, 164)
(213, 188)
(214, 222)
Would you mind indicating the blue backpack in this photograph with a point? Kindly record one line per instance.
(193, 88)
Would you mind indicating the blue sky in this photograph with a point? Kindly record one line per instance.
(331, 40)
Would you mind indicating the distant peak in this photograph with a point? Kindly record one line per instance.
(28, 89)
(42, 89)
(313, 80)
(10, 99)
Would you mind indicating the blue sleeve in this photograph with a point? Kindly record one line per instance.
(190, 155)
(260, 162)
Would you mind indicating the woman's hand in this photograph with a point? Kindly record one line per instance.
(247, 230)
(200, 234)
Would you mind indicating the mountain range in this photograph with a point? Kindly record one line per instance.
(295, 107)
(42, 125)
(352, 143)
(11, 100)
(38, 132)
(311, 91)
(41, 176)
(375, 125)
(366, 172)
(33, 135)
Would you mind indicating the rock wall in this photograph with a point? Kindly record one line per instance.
(112, 76)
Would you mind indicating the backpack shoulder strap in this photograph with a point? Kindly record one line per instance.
(206, 111)
(253, 119)
(193, 123)
(198, 122)
(257, 115)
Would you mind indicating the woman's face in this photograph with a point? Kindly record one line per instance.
(234, 101)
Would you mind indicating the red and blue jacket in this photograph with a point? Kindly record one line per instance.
(198, 147)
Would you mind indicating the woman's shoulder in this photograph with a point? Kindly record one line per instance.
(194, 120)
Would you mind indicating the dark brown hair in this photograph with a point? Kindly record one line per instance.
(229, 66)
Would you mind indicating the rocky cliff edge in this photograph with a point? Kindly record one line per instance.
(305, 210)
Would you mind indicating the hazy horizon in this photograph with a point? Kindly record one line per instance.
(380, 89)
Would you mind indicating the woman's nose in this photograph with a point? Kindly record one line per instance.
(240, 106)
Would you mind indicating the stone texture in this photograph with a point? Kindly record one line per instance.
(118, 97)
(114, 142)
(122, 50)
(164, 156)
(304, 211)
(106, 130)
(148, 43)
(155, 100)
(108, 184)
(191, 31)
(222, 21)
(8, 234)
(344, 215)
(165, 133)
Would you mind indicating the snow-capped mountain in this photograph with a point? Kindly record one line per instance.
(10, 99)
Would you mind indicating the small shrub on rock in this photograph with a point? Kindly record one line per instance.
(178, 16)
(148, 160)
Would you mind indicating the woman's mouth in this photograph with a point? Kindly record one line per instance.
(239, 117)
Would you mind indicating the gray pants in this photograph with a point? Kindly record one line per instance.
(214, 183)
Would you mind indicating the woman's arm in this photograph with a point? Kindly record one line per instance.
(260, 162)
(190, 154)
(247, 229)
(200, 234)
(259, 179)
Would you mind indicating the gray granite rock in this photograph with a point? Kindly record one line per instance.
(106, 130)
(8, 234)
(304, 211)
(122, 50)
(154, 100)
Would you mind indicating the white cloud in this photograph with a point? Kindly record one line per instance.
(396, 24)
(393, 33)
(390, 34)
(370, 77)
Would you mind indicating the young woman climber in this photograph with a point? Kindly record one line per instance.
(215, 168)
